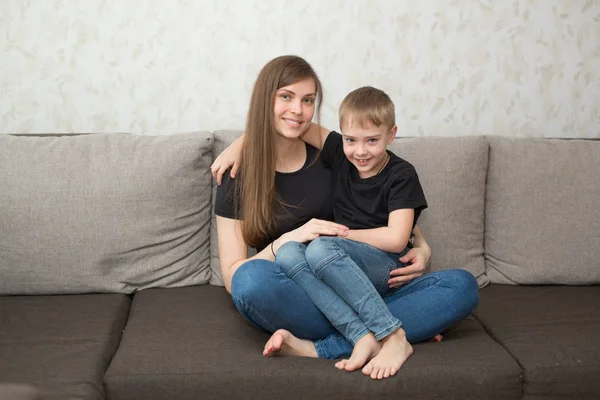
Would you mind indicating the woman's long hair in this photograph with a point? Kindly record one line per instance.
(257, 196)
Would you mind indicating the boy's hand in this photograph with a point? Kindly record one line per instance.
(230, 157)
(400, 276)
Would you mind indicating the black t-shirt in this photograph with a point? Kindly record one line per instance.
(366, 203)
(307, 192)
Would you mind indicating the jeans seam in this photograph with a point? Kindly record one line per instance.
(437, 281)
(250, 310)
(383, 288)
(359, 336)
(317, 269)
(320, 345)
(388, 331)
(337, 255)
(320, 352)
(295, 270)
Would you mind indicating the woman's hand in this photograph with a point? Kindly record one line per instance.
(312, 230)
(417, 258)
(230, 157)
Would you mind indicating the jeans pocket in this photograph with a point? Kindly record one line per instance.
(384, 286)
(393, 266)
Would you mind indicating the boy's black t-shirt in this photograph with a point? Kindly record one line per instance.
(366, 203)
(306, 191)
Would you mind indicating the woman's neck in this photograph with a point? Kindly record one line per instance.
(291, 154)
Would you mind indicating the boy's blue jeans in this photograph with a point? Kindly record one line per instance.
(427, 305)
(345, 280)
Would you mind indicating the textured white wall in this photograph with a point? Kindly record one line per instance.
(453, 67)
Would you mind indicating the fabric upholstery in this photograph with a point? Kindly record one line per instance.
(452, 172)
(104, 213)
(222, 139)
(58, 347)
(552, 332)
(10, 391)
(542, 217)
(174, 348)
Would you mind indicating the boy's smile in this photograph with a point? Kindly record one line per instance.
(365, 146)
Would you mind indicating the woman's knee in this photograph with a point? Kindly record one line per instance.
(251, 280)
(465, 286)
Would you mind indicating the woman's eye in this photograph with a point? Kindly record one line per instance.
(309, 101)
(285, 96)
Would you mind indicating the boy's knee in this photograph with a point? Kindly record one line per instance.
(320, 250)
(289, 255)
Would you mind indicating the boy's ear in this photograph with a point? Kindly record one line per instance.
(393, 132)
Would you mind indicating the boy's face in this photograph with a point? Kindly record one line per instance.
(365, 146)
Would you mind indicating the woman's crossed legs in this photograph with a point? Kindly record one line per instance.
(266, 297)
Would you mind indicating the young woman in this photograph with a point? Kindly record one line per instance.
(283, 194)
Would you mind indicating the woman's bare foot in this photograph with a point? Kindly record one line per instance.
(365, 349)
(394, 353)
(284, 343)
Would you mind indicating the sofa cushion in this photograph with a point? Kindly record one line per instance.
(58, 347)
(104, 213)
(542, 218)
(452, 172)
(221, 139)
(552, 331)
(10, 391)
(192, 343)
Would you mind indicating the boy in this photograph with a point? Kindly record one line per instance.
(379, 197)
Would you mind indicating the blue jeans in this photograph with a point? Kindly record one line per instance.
(345, 280)
(427, 305)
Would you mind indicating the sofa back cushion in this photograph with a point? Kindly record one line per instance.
(452, 172)
(542, 216)
(222, 139)
(104, 213)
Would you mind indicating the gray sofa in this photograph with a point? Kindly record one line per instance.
(110, 285)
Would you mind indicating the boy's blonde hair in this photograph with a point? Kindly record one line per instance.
(367, 106)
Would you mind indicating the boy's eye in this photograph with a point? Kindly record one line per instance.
(372, 140)
(349, 140)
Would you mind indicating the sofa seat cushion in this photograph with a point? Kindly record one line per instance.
(58, 347)
(186, 343)
(552, 331)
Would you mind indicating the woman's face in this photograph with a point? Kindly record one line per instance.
(294, 108)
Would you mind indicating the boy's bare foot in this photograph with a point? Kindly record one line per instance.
(437, 338)
(284, 343)
(365, 349)
(394, 353)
